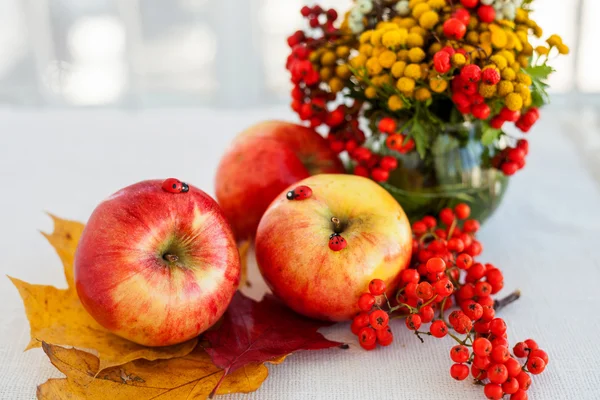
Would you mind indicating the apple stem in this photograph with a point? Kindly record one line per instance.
(172, 258)
(337, 225)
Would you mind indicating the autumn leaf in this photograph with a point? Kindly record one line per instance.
(57, 316)
(255, 332)
(192, 376)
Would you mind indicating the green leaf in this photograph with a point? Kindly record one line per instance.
(417, 132)
(539, 72)
(490, 135)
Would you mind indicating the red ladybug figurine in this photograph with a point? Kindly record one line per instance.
(173, 185)
(337, 242)
(299, 193)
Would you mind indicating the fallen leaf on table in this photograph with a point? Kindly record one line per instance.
(189, 377)
(57, 316)
(256, 332)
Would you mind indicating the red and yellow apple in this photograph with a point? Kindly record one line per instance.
(261, 162)
(155, 267)
(295, 258)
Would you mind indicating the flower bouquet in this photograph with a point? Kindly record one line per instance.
(416, 94)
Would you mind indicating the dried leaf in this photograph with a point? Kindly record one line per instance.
(256, 332)
(190, 377)
(57, 316)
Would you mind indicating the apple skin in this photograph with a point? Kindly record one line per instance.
(292, 245)
(127, 286)
(261, 162)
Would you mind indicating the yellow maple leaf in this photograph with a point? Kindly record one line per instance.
(189, 377)
(57, 316)
(243, 248)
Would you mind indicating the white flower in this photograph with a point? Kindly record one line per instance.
(356, 15)
(355, 26)
(365, 6)
(402, 8)
(509, 10)
(499, 15)
(487, 2)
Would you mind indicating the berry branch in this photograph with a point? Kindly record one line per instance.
(444, 277)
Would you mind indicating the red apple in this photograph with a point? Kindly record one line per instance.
(324, 280)
(156, 267)
(261, 162)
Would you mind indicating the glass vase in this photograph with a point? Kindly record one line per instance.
(456, 170)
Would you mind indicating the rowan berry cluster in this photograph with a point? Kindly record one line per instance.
(421, 64)
(446, 287)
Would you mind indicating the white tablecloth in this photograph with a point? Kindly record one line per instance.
(545, 236)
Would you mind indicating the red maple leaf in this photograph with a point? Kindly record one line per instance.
(256, 332)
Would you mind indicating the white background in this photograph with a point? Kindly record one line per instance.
(545, 237)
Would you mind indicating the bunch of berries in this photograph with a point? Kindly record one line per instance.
(447, 288)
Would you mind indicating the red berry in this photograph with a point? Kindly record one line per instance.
(444, 287)
(380, 175)
(510, 386)
(376, 287)
(509, 168)
(474, 249)
(462, 211)
(413, 322)
(332, 14)
(478, 373)
(493, 391)
(531, 344)
(456, 245)
(460, 99)
(481, 362)
(366, 301)
(490, 76)
(410, 275)
(530, 118)
(513, 367)
(439, 329)
(459, 372)
(426, 313)
(462, 15)
(429, 221)
(305, 11)
(459, 353)
(539, 353)
(470, 73)
(441, 62)
(523, 144)
(497, 373)
(337, 242)
(500, 354)
(464, 261)
(482, 347)
(486, 14)
(447, 216)
(497, 122)
(379, 319)
(384, 336)
(497, 326)
(387, 125)
(520, 350)
(499, 341)
(516, 154)
(424, 290)
(454, 29)
(483, 289)
(360, 321)
(361, 171)
(173, 185)
(469, 3)
(367, 337)
(388, 163)
(474, 311)
(524, 380)
(481, 111)
(519, 395)
(509, 115)
(536, 365)
(435, 265)
(411, 290)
